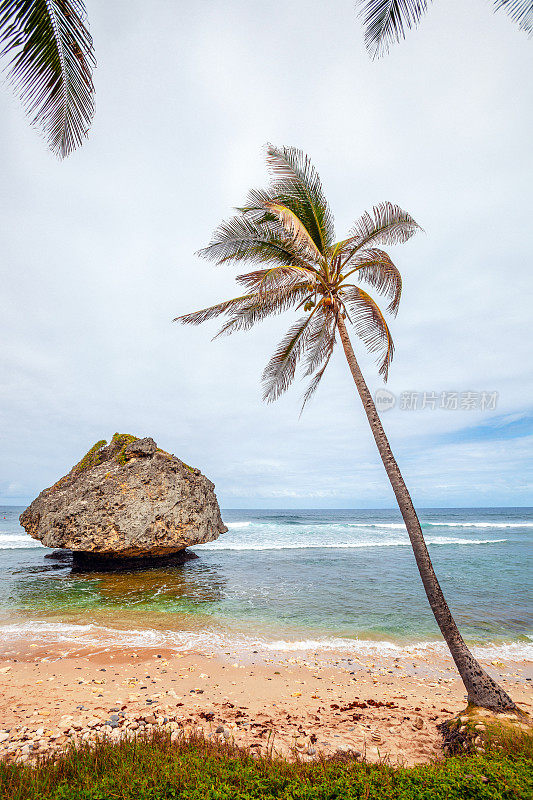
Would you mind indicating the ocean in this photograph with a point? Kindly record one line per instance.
(294, 580)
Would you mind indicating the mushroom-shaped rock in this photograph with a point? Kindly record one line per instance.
(126, 499)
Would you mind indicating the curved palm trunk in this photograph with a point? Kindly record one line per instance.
(481, 688)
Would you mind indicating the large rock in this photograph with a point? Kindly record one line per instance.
(126, 499)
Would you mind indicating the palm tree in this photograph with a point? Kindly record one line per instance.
(289, 229)
(50, 62)
(386, 21)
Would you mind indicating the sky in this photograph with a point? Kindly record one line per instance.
(98, 253)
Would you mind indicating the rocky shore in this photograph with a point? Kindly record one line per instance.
(391, 709)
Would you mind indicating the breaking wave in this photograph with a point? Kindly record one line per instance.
(104, 638)
(340, 545)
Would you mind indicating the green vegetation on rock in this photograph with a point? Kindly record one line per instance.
(153, 768)
(90, 459)
(122, 440)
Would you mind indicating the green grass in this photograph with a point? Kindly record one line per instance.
(195, 769)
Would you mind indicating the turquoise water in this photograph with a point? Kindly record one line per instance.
(292, 577)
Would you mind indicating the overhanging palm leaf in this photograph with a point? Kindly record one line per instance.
(520, 11)
(387, 21)
(51, 59)
(290, 228)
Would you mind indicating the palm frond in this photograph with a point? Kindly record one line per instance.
(387, 21)
(211, 312)
(261, 208)
(389, 225)
(315, 381)
(297, 185)
(263, 280)
(279, 372)
(260, 306)
(243, 239)
(246, 310)
(370, 325)
(375, 267)
(520, 11)
(321, 342)
(295, 230)
(51, 60)
(319, 351)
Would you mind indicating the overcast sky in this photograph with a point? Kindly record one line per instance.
(97, 252)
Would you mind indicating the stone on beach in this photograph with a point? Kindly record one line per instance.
(128, 499)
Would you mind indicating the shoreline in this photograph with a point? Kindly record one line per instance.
(71, 634)
(306, 702)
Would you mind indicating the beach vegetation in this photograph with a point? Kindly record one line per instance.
(193, 768)
(287, 232)
(387, 21)
(50, 61)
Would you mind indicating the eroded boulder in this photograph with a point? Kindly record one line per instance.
(126, 499)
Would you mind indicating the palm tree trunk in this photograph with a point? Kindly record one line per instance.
(481, 688)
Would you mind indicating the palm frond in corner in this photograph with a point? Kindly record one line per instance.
(50, 63)
(387, 21)
(520, 11)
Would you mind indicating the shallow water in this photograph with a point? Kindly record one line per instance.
(293, 579)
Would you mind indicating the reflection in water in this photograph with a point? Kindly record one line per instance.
(191, 586)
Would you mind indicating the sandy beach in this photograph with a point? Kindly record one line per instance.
(309, 704)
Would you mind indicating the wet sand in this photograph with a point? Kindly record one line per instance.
(386, 708)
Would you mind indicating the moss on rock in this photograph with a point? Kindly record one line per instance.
(90, 459)
(122, 440)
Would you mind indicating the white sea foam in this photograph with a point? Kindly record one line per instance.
(481, 524)
(104, 638)
(237, 524)
(221, 544)
(16, 541)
